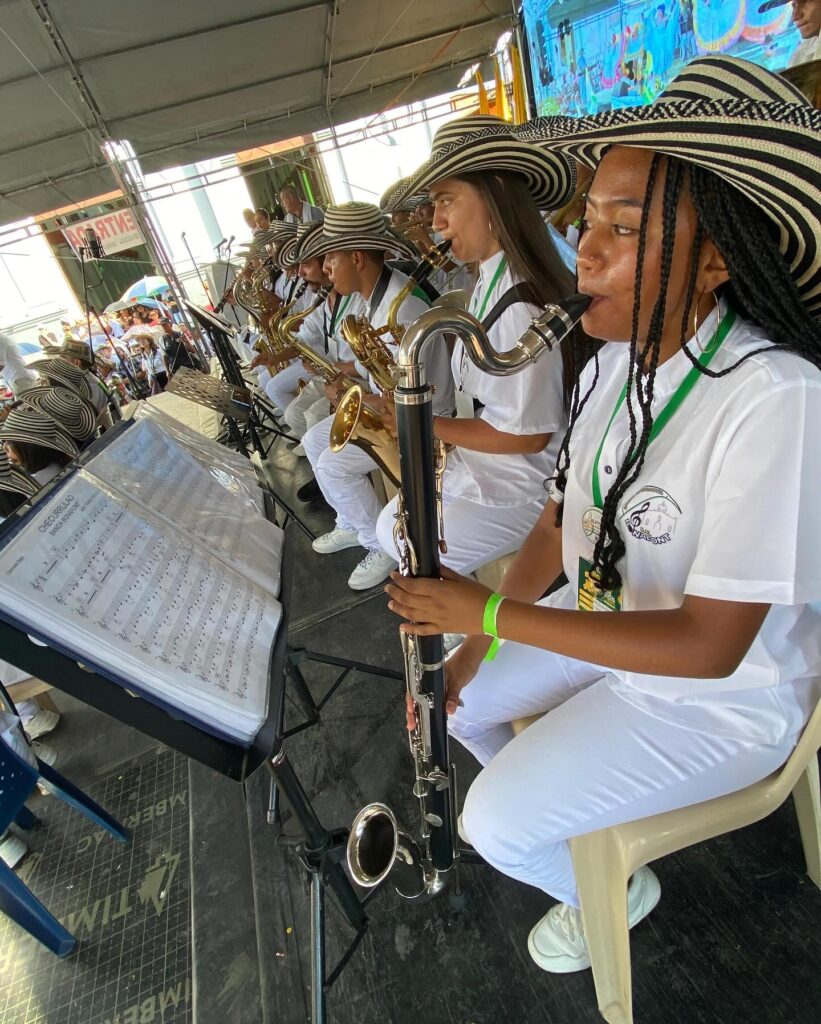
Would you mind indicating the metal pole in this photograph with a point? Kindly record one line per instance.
(196, 267)
(318, 999)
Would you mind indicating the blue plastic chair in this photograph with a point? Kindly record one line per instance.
(17, 781)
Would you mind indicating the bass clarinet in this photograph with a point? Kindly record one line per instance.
(377, 846)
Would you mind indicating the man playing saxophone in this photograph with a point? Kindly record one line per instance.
(355, 240)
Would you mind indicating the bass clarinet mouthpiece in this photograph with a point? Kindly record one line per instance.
(552, 326)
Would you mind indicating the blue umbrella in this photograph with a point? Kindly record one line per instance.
(29, 348)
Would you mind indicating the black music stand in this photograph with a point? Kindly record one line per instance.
(321, 851)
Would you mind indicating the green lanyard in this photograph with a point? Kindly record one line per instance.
(493, 282)
(673, 405)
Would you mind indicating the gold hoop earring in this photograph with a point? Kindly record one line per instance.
(695, 317)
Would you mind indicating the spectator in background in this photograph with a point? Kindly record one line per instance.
(297, 211)
(262, 219)
(153, 364)
(249, 217)
(174, 349)
(12, 368)
(807, 17)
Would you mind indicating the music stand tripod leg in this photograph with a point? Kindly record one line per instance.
(321, 853)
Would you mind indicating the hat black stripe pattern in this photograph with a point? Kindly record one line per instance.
(65, 373)
(478, 143)
(29, 425)
(357, 225)
(67, 409)
(738, 120)
(13, 478)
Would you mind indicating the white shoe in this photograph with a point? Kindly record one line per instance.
(299, 451)
(43, 752)
(557, 942)
(41, 722)
(452, 641)
(337, 540)
(373, 569)
(12, 849)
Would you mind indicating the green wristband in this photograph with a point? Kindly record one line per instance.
(489, 624)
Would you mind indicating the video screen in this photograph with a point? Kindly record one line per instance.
(587, 56)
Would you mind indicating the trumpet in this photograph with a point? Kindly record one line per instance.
(377, 847)
(353, 421)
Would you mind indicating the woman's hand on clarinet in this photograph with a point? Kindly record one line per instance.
(452, 604)
(460, 669)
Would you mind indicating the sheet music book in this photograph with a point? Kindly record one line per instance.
(147, 563)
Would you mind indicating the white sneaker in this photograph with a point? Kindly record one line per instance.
(40, 723)
(336, 540)
(43, 752)
(299, 451)
(12, 849)
(557, 942)
(373, 569)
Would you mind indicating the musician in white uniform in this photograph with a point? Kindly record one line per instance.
(686, 507)
(355, 241)
(487, 191)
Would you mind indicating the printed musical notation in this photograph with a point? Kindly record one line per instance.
(143, 564)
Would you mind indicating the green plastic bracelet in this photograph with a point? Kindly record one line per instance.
(489, 624)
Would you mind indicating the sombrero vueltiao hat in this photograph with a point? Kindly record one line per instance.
(27, 424)
(295, 249)
(485, 143)
(404, 201)
(74, 414)
(13, 478)
(76, 350)
(357, 225)
(65, 373)
(745, 124)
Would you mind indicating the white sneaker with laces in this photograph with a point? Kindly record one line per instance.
(373, 569)
(12, 849)
(557, 942)
(43, 752)
(40, 723)
(336, 540)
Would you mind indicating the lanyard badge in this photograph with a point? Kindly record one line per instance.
(590, 596)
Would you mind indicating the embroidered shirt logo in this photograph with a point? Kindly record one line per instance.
(652, 515)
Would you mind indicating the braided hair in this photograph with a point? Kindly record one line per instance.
(760, 287)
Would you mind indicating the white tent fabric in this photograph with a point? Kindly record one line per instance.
(185, 80)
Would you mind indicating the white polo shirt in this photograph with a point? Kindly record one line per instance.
(726, 507)
(530, 402)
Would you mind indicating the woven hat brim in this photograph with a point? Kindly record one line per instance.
(82, 415)
(299, 250)
(17, 480)
(349, 243)
(56, 437)
(76, 382)
(550, 177)
(769, 151)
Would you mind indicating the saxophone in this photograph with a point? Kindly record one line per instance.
(270, 343)
(377, 846)
(353, 421)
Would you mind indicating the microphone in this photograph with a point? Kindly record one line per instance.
(230, 240)
(93, 244)
(219, 245)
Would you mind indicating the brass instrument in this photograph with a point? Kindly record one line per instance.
(377, 846)
(353, 421)
(270, 343)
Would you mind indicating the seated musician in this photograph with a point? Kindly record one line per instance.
(36, 443)
(75, 415)
(685, 507)
(487, 193)
(311, 404)
(355, 240)
(16, 485)
(59, 371)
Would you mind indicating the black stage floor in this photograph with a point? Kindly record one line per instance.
(736, 937)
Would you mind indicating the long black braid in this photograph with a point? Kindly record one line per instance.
(761, 288)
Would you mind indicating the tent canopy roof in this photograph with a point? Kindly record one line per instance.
(191, 79)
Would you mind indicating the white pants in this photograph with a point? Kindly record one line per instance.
(343, 480)
(475, 534)
(593, 761)
(308, 408)
(281, 388)
(263, 376)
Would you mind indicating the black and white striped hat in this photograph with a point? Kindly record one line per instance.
(65, 373)
(485, 143)
(295, 249)
(30, 425)
(745, 124)
(358, 226)
(74, 414)
(279, 231)
(14, 478)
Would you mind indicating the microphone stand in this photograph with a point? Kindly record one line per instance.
(196, 266)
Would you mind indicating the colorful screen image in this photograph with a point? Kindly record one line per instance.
(592, 55)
